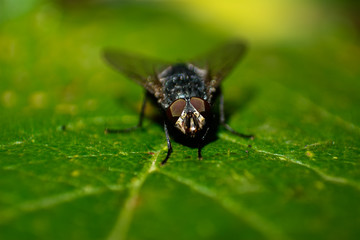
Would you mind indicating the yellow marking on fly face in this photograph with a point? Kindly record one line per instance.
(200, 118)
(180, 123)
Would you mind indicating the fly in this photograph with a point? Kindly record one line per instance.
(184, 91)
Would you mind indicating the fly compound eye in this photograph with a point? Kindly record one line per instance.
(176, 108)
(200, 104)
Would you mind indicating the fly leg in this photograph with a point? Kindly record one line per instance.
(139, 125)
(227, 127)
(201, 143)
(168, 145)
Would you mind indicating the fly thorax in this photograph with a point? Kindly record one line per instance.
(182, 81)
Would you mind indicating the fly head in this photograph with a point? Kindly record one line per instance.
(189, 115)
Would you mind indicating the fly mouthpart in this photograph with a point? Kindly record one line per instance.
(190, 123)
(192, 126)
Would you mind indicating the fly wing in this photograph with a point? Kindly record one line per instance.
(142, 70)
(219, 62)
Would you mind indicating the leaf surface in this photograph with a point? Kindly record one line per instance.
(63, 178)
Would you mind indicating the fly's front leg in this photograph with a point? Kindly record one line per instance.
(227, 127)
(201, 143)
(168, 145)
(139, 125)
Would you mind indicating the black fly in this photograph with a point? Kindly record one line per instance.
(184, 91)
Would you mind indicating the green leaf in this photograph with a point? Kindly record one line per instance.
(63, 178)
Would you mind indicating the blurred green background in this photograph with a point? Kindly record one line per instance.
(297, 90)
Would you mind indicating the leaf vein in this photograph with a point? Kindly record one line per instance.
(281, 157)
(122, 224)
(51, 201)
(266, 228)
